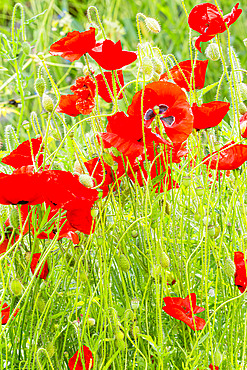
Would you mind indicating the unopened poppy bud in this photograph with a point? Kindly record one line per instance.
(40, 86)
(155, 271)
(119, 335)
(86, 180)
(40, 304)
(100, 240)
(217, 358)
(42, 286)
(14, 219)
(211, 230)
(158, 65)
(16, 287)
(26, 48)
(168, 208)
(197, 216)
(120, 344)
(108, 159)
(147, 66)
(152, 25)
(217, 232)
(114, 166)
(91, 321)
(245, 42)
(212, 51)
(243, 90)
(164, 260)
(135, 331)
(50, 348)
(242, 108)
(229, 268)
(94, 211)
(47, 103)
(83, 275)
(217, 145)
(134, 304)
(199, 191)
(124, 263)
(186, 181)
(134, 233)
(78, 167)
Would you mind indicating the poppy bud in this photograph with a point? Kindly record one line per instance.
(243, 91)
(26, 48)
(14, 218)
(211, 230)
(186, 181)
(108, 159)
(197, 216)
(158, 65)
(217, 145)
(100, 240)
(199, 191)
(134, 233)
(164, 260)
(91, 321)
(154, 224)
(120, 344)
(217, 232)
(77, 167)
(168, 208)
(119, 335)
(134, 304)
(155, 271)
(135, 331)
(152, 25)
(94, 211)
(213, 52)
(86, 180)
(83, 276)
(147, 66)
(47, 103)
(217, 358)
(124, 263)
(50, 349)
(229, 268)
(40, 304)
(16, 287)
(40, 86)
(242, 108)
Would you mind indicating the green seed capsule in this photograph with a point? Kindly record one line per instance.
(124, 263)
(199, 191)
(186, 181)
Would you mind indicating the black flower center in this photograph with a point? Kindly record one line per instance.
(168, 121)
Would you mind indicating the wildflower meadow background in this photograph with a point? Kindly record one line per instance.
(123, 207)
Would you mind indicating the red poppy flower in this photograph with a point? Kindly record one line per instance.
(82, 361)
(243, 125)
(110, 56)
(43, 270)
(102, 87)
(83, 99)
(211, 367)
(229, 157)
(209, 114)
(181, 309)
(169, 102)
(23, 155)
(126, 134)
(188, 74)
(74, 45)
(208, 21)
(240, 274)
(5, 313)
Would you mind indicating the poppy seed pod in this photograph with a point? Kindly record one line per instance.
(217, 145)
(124, 263)
(47, 103)
(229, 268)
(134, 304)
(152, 25)
(164, 260)
(199, 191)
(16, 287)
(212, 51)
(14, 219)
(94, 211)
(243, 90)
(26, 48)
(86, 180)
(100, 240)
(40, 86)
(186, 181)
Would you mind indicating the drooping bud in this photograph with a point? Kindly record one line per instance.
(229, 268)
(47, 103)
(218, 358)
(26, 48)
(40, 304)
(167, 208)
(197, 216)
(152, 25)
(134, 304)
(124, 263)
(199, 191)
(120, 344)
(243, 91)
(14, 219)
(40, 86)
(16, 287)
(186, 181)
(212, 51)
(115, 152)
(86, 180)
(217, 232)
(50, 348)
(119, 335)
(158, 65)
(77, 167)
(147, 66)
(164, 260)
(108, 158)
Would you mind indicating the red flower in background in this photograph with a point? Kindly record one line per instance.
(188, 74)
(208, 21)
(82, 102)
(181, 309)
(43, 270)
(84, 361)
(102, 87)
(110, 56)
(211, 367)
(229, 157)
(240, 274)
(243, 125)
(74, 45)
(169, 102)
(23, 155)
(209, 114)
(5, 313)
